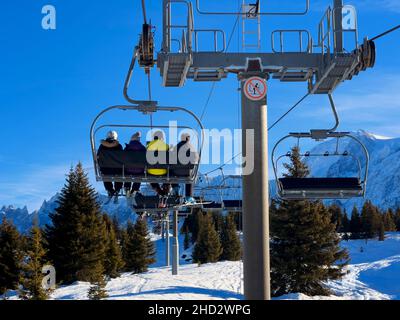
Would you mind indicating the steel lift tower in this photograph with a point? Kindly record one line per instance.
(323, 65)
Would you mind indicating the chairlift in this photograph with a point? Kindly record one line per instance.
(315, 188)
(121, 161)
(214, 197)
(231, 193)
(208, 195)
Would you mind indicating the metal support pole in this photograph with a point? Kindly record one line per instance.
(338, 32)
(175, 246)
(162, 230)
(256, 266)
(167, 245)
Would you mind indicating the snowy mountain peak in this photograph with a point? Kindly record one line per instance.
(372, 136)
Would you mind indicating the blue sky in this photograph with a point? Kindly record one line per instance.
(53, 83)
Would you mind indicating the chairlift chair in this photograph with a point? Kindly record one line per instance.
(217, 199)
(120, 161)
(315, 188)
(208, 196)
(233, 201)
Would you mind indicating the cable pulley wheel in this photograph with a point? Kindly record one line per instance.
(368, 54)
(146, 50)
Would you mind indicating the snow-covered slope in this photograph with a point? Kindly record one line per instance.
(373, 274)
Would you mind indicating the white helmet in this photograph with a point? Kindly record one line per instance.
(113, 135)
(185, 136)
(158, 135)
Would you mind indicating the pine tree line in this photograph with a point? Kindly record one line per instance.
(82, 243)
(370, 223)
(214, 237)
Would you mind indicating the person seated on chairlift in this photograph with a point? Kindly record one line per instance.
(184, 151)
(134, 146)
(111, 143)
(158, 144)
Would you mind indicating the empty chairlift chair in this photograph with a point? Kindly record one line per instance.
(332, 187)
(208, 194)
(231, 193)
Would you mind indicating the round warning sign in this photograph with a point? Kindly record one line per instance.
(255, 88)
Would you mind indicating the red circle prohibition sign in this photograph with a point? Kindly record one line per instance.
(255, 88)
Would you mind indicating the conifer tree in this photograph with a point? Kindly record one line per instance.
(397, 219)
(218, 221)
(10, 256)
(117, 228)
(139, 250)
(238, 220)
(208, 246)
(186, 240)
(124, 243)
(232, 250)
(196, 221)
(97, 289)
(345, 223)
(336, 216)
(370, 220)
(35, 259)
(355, 224)
(389, 221)
(113, 262)
(77, 236)
(305, 250)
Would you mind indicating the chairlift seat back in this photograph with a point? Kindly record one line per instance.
(113, 163)
(232, 204)
(152, 202)
(212, 205)
(320, 188)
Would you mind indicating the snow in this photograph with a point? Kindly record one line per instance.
(193, 283)
(372, 275)
(373, 135)
(373, 270)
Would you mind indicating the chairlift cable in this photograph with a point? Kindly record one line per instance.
(149, 88)
(385, 33)
(272, 126)
(287, 112)
(224, 165)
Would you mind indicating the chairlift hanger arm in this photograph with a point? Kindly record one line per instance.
(321, 134)
(128, 83)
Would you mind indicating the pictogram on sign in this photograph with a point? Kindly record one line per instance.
(255, 88)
